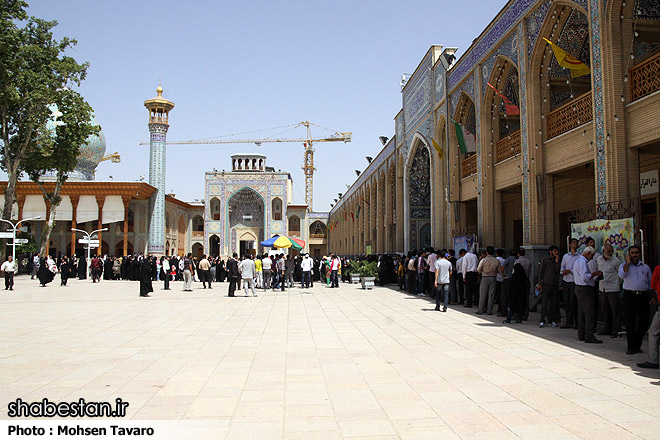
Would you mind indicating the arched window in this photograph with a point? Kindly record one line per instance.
(215, 207)
(277, 208)
(198, 224)
(318, 228)
(131, 220)
(294, 224)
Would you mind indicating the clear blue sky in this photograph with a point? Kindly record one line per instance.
(240, 66)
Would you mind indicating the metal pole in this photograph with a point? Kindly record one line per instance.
(641, 236)
(15, 227)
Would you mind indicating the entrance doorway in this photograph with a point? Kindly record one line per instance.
(248, 247)
(649, 226)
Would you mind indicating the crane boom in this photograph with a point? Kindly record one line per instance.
(308, 142)
(345, 137)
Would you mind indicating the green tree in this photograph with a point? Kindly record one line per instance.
(33, 68)
(57, 150)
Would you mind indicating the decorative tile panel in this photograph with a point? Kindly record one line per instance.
(526, 196)
(597, 87)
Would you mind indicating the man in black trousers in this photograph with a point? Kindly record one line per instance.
(232, 272)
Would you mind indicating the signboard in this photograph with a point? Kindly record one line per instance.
(6, 234)
(466, 242)
(648, 183)
(368, 250)
(619, 233)
(86, 241)
(21, 240)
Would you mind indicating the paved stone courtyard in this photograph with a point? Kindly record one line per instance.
(318, 363)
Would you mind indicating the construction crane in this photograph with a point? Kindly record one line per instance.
(308, 144)
(114, 157)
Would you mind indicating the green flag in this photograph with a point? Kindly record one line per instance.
(466, 140)
(358, 212)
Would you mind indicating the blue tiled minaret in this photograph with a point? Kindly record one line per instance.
(159, 109)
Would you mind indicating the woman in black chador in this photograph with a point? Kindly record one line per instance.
(145, 278)
(220, 272)
(44, 274)
(107, 268)
(517, 295)
(82, 268)
(64, 270)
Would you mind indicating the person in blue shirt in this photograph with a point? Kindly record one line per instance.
(636, 294)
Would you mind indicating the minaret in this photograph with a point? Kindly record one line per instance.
(159, 109)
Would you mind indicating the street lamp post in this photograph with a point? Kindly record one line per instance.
(89, 237)
(15, 227)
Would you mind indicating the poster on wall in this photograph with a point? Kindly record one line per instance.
(467, 242)
(619, 233)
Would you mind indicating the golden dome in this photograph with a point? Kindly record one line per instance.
(159, 90)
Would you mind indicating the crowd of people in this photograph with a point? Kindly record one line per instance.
(583, 284)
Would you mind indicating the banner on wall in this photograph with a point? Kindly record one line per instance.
(466, 242)
(619, 233)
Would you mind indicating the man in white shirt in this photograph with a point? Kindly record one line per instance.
(442, 274)
(584, 284)
(430, 260)
(306, 265)
(335, 265)
(248, 272)
(8, 267)
(609, 288)
(568, 284)
(460, 284)
(266, 267)
(470, 277)
(35, 266)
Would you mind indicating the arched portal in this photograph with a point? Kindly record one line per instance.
(181, 235)
(246, 214)
(419, 196)
(198, 250)
(567, 102)
(214, 245)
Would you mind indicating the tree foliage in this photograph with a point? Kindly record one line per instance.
(34, 70)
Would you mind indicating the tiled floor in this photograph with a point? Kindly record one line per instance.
(318, 364)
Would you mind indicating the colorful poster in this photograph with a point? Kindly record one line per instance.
(466, 242)
(619, 233)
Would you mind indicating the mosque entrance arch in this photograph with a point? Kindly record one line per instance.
(246, 214)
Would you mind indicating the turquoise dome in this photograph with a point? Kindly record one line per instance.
(90, 154)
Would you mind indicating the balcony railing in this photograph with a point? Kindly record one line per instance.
(570, 115)
(319, 236)
(507, 147)
(197, 235)
(469, 165)
(645, 77)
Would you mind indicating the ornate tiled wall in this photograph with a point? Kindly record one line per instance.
(224, 186)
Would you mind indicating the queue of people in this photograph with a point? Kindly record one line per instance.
(583, 283)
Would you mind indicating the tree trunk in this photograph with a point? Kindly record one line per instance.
(50, 224)
(10, 197)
